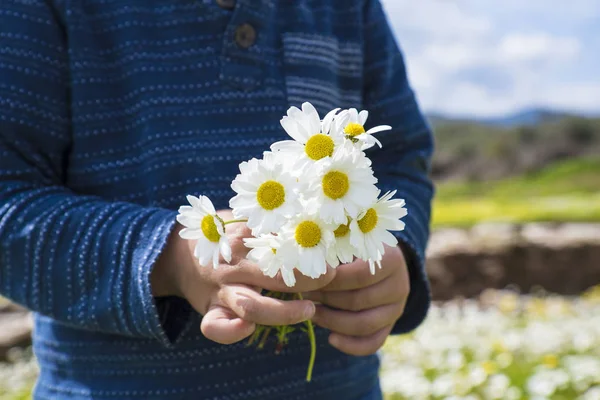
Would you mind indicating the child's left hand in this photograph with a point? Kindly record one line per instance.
(361, 309)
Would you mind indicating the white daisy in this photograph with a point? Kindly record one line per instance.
(350, 124)
(344, 185)
(312, 141)
(369, 232)
(343, 251)
(265, 253)
(203, 224)
(266, 194)
(305, 243)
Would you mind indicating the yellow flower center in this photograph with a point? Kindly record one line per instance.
(550, 361)
(274, 251)
(270, 195)
(354, 129)
(319, 146)
(342, 230)
(209, 229)
(489, 367)
(308, 234)
(335, 184)
(369, 221)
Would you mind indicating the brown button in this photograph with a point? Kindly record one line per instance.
(226, 4)
(245, 36)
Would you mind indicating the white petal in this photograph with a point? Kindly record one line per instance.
(215, 258)
(353, 112)
(225, 248)
(332, 259)
(326, 124)
(319, 264)
(190, 234)
(389, 239)
(288, 277)
(379, 128)
(220, 227)
(313, 117)
(287, 146)
(295, 113)
(362, 117)
(186, 209)
(189, 222)
(203, 251)
(291, 127)
(193, 200)
(207, 204)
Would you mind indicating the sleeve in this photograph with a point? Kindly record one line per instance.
(403, 163)
(78, 259)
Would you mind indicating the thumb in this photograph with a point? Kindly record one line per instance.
(222, 325)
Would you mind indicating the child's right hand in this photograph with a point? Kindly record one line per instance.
(229, 297)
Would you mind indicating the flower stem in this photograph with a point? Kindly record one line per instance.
(313, 346)
(233, 221)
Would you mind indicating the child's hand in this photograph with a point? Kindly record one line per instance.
(361, 309)
(229, 297)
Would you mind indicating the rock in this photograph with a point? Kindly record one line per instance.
(563, 259)
(15, 331)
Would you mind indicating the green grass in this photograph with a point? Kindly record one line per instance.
(566, 191)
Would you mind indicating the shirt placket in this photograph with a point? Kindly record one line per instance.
(243, 43)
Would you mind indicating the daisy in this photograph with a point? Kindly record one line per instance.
(266, 194)
(312, 141)
(343, 251)
(369, 232)
(344, 185)
(350, 124)
(203, 224)
(305, 243)
(265, 253)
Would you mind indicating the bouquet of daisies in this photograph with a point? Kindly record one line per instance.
(310, 202)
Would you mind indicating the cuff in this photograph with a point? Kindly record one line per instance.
(419, 298)
(164, 319)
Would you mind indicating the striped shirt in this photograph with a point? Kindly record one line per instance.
(111, 111)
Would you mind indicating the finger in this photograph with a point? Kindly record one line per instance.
(361, 323)
(252, 306)
(221, 325)
(388, 291)
(248, 273)
(360, 346)
(356, 275)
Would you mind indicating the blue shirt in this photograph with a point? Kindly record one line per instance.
(111, 111)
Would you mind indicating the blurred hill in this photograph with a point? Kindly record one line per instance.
(479, 150)
(532, 116)
(531, 172)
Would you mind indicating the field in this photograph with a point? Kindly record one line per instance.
(503, 346)
(564, 191)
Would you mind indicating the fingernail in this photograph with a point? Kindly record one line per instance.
(309, 311)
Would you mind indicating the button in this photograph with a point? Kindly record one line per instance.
(226, 4)
(245, 36)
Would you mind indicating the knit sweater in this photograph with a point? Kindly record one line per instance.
(111, 111)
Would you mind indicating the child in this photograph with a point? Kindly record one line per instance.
(111, 112)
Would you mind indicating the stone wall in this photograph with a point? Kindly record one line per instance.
(563, 259)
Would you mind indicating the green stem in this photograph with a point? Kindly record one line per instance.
(313, 346)
(234, 221)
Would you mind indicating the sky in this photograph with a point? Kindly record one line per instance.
(487, 59)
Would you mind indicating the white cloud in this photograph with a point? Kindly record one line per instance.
(518, 47)
(467, 59)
